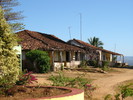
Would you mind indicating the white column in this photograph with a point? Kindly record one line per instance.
(61, 56)
(110, 57)
(78, 56)
(100, 55)
(120, 58)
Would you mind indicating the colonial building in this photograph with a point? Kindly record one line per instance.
(60, 52)
(94, 53)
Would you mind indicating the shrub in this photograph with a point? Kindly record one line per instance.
(124, 92)
(108, 97)
(40, 60)
(105, 68)
(92, 62)
(77, 82)
(9, 63)
(61, 80)
(105, 65)
(26, 79)
(62, 67)
(83, 64)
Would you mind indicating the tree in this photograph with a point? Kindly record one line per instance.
(96, 42)
(9, 63)
(10, 16)
(40, 60)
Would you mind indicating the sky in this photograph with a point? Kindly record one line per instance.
(109, 20)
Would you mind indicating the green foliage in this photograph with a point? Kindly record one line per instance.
(5, 85)
(62, 67)
(117, 96)
(96, 42)
(89, 89)
(83, 64)
(61, 80)
(126, 90)
(77, 82)
(114, 59)
(9, 63)
(108, 97)
(105, 65)
(92, 62)
(40, 60)
(105, 68)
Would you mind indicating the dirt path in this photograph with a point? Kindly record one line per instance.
(106, 84)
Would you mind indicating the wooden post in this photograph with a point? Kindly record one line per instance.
(62, 68)
(61, 56)
(70, 58)
(53, 69)
(78, 56)
(123, 59)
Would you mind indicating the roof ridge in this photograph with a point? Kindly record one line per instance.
(35, 37)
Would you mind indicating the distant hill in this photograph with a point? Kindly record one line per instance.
(129, 60)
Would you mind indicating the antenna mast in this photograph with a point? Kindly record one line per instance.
(80, 26)
(115, 48)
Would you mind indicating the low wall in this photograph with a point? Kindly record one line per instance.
(71, 64)
(75, 94)
(57, 65)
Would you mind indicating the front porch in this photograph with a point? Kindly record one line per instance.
(68, 59)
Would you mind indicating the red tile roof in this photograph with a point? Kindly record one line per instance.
(35, 40)
(89, 45)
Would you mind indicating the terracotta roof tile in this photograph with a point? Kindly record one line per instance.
(89, 45)
(36, 40)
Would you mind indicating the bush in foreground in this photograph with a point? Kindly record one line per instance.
(9, 63)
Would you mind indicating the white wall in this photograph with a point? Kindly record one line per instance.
(18, 49)
(72, 64)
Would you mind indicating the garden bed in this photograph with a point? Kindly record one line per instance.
(23, 93)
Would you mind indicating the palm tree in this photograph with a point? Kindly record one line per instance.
(96, 42)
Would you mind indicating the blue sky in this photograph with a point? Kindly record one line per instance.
(109, 20)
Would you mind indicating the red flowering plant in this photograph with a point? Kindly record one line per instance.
(27, 78)
(89, 89)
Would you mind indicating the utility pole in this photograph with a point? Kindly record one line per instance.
(80, 26)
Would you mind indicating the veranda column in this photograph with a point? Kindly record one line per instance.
(61, 57)
(110, 57)
(78, 56)
(70, 58)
